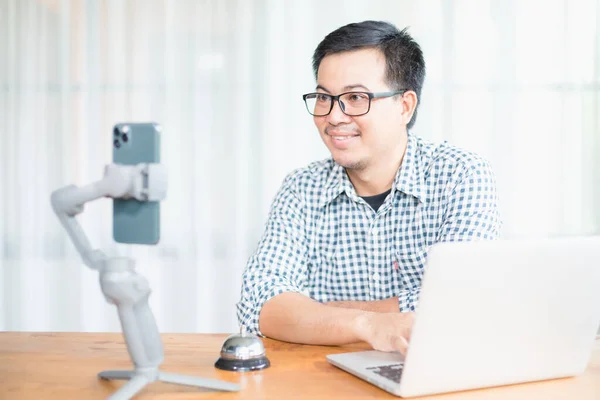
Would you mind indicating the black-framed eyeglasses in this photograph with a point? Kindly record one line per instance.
(353, 104)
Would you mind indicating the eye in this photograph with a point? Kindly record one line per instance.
(357, 97)
(322, 97)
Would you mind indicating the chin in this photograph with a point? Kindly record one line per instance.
(349, 163)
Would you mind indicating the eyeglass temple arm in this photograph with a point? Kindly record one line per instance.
(388, 94)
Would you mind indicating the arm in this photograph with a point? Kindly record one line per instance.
(472, 209)
(280, 262)
(293, 317)
(296, 318)
(471, 213)
(386, 305)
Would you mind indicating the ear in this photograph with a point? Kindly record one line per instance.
(409, 104)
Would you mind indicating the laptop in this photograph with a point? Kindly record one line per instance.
(494, 313)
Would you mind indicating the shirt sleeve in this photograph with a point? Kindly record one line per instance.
(472, 210)
(471, 214)
(279, 263)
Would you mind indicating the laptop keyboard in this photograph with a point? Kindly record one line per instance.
(391, 372)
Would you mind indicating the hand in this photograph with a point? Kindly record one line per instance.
(386, 331)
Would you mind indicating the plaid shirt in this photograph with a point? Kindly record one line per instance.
(325, 241)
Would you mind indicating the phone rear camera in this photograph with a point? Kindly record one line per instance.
(117, 143)
(116, 131)
(125, 138)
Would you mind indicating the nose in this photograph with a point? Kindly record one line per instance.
(337, 116)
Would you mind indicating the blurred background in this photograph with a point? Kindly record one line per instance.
(515, 80)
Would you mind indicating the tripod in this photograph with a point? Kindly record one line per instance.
(121, 285)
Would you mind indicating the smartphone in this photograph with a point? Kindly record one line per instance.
(134, 221)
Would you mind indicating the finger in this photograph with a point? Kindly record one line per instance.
(401, 345)
(409, 326)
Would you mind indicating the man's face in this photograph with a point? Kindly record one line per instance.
(360, 141)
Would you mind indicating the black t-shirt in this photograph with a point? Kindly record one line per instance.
(376, 201)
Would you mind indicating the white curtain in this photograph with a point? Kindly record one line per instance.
(518, 81)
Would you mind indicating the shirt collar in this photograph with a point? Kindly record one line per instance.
(337, 183)
(408, 179)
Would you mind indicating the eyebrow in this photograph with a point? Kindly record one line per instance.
(347, 87)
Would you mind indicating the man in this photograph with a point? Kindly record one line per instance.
(346, 240)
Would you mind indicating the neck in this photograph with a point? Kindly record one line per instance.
(378, 177)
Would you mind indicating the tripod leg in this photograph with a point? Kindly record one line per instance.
(198, 382)
(131, 388)
(115, 375)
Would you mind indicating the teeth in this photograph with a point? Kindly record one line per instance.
(342, 137)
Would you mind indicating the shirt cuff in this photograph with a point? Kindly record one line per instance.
(408, 300)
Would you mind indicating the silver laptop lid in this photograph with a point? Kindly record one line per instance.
(506, 311)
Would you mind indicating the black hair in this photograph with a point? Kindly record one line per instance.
(405, 65)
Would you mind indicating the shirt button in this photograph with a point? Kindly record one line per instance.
(376, 276)
(374, 231)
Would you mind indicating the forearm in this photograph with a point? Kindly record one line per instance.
(293, 317)
(386, 305)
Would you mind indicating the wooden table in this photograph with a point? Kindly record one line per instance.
(64, 366)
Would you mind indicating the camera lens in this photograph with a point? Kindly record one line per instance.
(116, 131)
(117, 143)
(125, 137)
